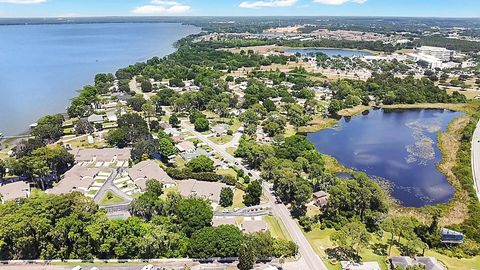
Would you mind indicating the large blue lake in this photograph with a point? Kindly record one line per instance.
(399, 147)
(329, 52)
(42, 66)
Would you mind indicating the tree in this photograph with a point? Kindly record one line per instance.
(335, 106)
(117, 137)
(253, 193)
(351, 237)
(194, 214)
(201, 124)
(246, 258)
(222, 241)
(174, 121)
(201, 164)
(134, 127)
(82, 126)
(226, 197)
(154, 186)
(144, 149)
(146, 86)
(136, 102)
(3, 169)
(166, 147)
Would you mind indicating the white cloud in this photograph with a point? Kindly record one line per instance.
(23, 2)
(338, 2)
(161, 7)
(270, 3)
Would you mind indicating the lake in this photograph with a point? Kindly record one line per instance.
(329, 52)
(397, 146)
(42, 66)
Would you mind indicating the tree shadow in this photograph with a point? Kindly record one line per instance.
(380, 249)
(341, 254)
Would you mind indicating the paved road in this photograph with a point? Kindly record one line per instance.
(476, 159)
(110, 186)
(309, 258)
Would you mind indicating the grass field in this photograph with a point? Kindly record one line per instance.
(222, 139)
(320, 241)
(353, 111)
(110, 198)
(277, 229)
(226, 172)
(318, 123)
(231, 150)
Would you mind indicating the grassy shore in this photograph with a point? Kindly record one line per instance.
(354, 111)
(460, 107)
(318, 123)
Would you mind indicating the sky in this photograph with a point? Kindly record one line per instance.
(84, 8)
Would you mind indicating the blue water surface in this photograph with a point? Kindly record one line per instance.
(382, 144)
(42, 66)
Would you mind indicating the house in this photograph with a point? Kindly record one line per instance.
(178, 139)
(451, 236)
(149, 169)
(78, 178)
(95, 119)
(172, 131)
(430, 263)
(15, 190)
(186, 147)
(202, 189)
(320, 198)
(191, 155)
(346, 265)
(101, 155)
(220, 129)
(254, 226)
(112, 117)
(110, 105)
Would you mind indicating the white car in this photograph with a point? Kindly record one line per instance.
(149, 267)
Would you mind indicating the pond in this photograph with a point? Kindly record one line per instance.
(329, 52)
(396, 147)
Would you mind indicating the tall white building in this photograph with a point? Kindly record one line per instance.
(442, 54)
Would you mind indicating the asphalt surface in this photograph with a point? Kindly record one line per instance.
(310, 259)
(476, 159)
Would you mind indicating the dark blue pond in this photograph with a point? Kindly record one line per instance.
(329, 52)
(398, 146)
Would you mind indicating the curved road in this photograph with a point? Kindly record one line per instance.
(476, 159)
(310, 259)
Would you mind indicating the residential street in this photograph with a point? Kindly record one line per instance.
(309, 259)
(476, 159)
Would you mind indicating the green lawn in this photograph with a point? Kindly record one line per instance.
(236, 125)
(238, 198)
(277, 229)
(226, 172)
(179, 162)
(320, 241)
(454, 263)
(101, 181)
(222, 139)
(231, 150)
(110, 198)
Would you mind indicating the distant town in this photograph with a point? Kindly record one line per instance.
(204, 159)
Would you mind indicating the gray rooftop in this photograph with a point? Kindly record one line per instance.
(253, 226)
(78, 178)
(146, 170)
(15, 190)
(101, 155)
(207, 190)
